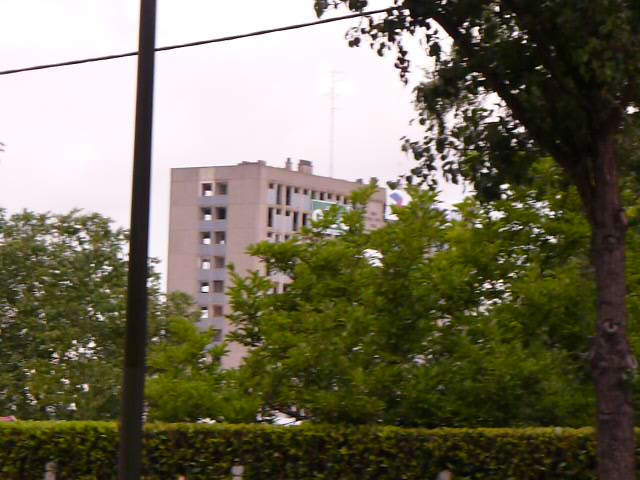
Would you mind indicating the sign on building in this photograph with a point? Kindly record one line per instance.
(318, 209)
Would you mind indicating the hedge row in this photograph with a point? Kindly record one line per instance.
(87, 450)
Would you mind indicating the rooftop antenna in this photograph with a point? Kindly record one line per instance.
(332, 121)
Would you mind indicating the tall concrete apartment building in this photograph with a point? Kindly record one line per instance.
(217, 212)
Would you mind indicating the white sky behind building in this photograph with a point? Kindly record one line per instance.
(69, 131)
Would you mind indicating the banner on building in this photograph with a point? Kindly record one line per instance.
(318, 209)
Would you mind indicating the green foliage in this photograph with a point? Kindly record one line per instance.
(62, 286)
(183, 371)
(185, 380)
(519, 80)
(513, 79)
(477, 318)
(62, 313)
(88, 451)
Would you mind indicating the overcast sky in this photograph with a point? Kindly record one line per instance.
(69, 131)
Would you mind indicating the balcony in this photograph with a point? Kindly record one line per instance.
(211, 225)
(210, 250)
(210, 298)
(212, 274)
(212, 322)
(213, 201)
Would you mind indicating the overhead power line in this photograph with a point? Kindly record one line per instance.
(195, 44)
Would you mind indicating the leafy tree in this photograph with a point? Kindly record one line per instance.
(566, 77)
(185, 379)
(62, 313)
(480, 319)
(62, 284)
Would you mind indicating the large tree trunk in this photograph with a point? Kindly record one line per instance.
(613, 360)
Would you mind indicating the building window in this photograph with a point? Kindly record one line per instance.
(313, 194)
(218, 286)
(204, 287)
(221, 213)
(296, 190)
(288, 196)
(287, 237)
(272, 186)
(270, 217)
(321, 195)
(287, 213)
(205, 238)
(207, 190)
(329, 196)
(306, 191)
(205, 214)
(296, 218)
(205, 264)
(218, 262)
(218, 336)
(278, 194)
(277, 238)
(305, 220)
(204, 312)
(218, 311)
(220, 238)
(221, 188)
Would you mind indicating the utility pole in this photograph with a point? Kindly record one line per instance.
(130, 452)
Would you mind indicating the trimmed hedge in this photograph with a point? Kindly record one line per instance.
(87, 450)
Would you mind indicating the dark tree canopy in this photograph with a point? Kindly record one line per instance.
(566, 75)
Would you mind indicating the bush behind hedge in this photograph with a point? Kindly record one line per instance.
(88, 450)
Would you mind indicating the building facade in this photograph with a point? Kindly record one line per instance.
(217, 212)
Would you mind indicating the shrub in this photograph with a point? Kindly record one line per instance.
(88, 450)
